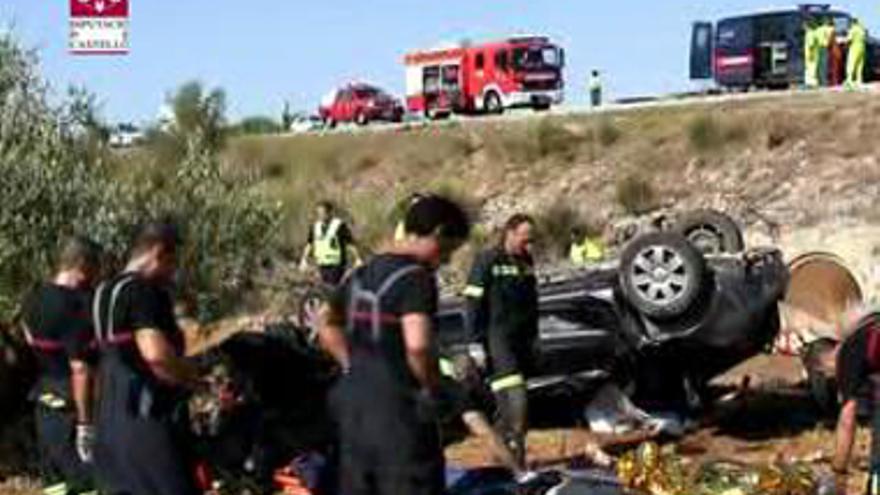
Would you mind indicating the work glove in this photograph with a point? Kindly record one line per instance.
(85, 442)
(477, 352)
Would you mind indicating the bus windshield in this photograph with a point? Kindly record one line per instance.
(537, 58)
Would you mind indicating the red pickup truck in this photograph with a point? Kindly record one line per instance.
(361, 104)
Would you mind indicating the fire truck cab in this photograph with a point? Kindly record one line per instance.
(764, 50)
(489, 77)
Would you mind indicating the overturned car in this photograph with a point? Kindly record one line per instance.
(678, 307)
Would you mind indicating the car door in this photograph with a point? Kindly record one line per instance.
(345, 106)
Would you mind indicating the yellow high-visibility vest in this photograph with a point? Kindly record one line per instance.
(328, 249)
(588, 251)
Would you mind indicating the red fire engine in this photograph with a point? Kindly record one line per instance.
(489, 77)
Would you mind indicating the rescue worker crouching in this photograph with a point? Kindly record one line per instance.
(857, 371)
(585, 249)
(330, 245)
(58, 328)
(502, 323)
(143, 438)
(378, 327)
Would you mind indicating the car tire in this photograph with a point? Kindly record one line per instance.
(541, 107)
(361, 119)
(711, 232)
(492, 103)
(662, 275)
(822, 386)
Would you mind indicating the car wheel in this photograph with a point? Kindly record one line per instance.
(541, 107)
(361, 119)
(492, 103)
(711, 232)
(823, 389)
(662, 275)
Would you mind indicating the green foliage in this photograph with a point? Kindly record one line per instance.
(706, 133)
(195, 115)
(636, 194)
(608, 131)
(555, 224)
(53, 185)
(257, 124)
(553, 139)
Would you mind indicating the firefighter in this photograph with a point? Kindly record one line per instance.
(502, 323)
(57, 326)
(595, 87)
(400, 229)
(811, 55)
(835, 60)
(857, 369)
(330, 244)
(824, 34)
(462, 397)
(378, 327)
(855, 60)
(143, 438)
(585, 249)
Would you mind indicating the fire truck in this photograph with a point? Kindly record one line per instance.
(485, 78)
(766, 49)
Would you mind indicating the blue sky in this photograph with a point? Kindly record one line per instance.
(264, 52)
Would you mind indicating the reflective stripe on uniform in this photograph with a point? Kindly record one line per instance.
(506, 271)
(52, 401)
(474, 291)
(507, 382)
(327, 250)
(447, 368)
(56, 489)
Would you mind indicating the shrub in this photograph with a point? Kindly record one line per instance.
(257, 124)
(52, 186)
(704, 133)
(553, 139)
(555, 224)
(609, 133)
(636, 194)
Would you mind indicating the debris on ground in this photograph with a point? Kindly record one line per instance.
(655, 471)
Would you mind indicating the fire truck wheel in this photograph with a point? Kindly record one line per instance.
(361, 119)
(492, 103)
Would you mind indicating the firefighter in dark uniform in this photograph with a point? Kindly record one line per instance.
(502, 323)
(379, 328)
(142, 442)
(858, 370)
(330, 245)
(58, 328)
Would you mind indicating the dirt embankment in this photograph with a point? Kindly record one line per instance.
(802, 169)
